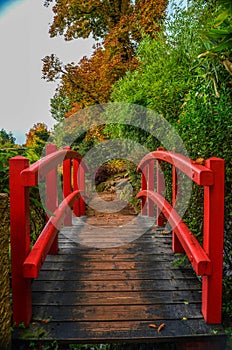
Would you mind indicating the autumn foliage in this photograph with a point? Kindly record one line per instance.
(81, 19)
(37, 137)
(119, 25)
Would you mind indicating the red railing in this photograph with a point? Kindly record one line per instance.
(206, 259)
(26, 261)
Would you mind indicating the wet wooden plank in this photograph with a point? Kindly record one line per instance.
(111, 313)
(115, 298)
(69, 274)
(125, 285)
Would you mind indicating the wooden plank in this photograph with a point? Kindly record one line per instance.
(110, 265)
(116, 298)
(127, 331)
(80, 263)
(76, 275)
(110, 255)
(161, 256)
(124, 285)
(110, 313)
(149, 237)
(143, 246)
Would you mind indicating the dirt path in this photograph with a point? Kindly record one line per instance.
(105, 210)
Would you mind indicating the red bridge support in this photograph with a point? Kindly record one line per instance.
(213, 242)
(20, 241)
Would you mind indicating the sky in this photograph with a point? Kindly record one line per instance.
(24, 39)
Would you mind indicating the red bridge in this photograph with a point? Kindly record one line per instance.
(80, 293)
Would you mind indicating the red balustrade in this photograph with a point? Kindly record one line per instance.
(207, 260)
(26, 261)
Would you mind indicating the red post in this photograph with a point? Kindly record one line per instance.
(52, 195)
(67, 187)
(20, 242)
(150, 186)
(176, 245)
(144, 187)
(160, 187)
(81, 182)
(174, 185)
(76, 207)
(213, 242)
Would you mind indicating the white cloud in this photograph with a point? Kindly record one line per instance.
(24, 38)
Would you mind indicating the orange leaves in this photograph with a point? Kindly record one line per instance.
(152, 325)
(159, 328)
(149, 16)
(77, 18)
(90, 81)
(37, 134)
(119, 24)
(200, 161)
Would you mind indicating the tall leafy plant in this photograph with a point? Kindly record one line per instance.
(218, 37)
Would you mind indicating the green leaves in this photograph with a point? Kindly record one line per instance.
(218, 38)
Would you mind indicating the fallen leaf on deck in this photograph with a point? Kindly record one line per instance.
(152, 325)
(45, 320)
(161, 327)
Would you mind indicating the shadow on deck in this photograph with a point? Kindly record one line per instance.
(110, 284)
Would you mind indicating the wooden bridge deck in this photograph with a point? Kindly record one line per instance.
(88, 294)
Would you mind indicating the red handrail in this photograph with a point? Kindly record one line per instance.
(26, 263)
(38, 253)
(42, 167)
(207, 260)
(196, 254)
(197, 172)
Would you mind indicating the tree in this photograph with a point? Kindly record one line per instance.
(91, 80)
(60, 106)
(36, 137)
(96, 18)
(6, 137)
(119, 24)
